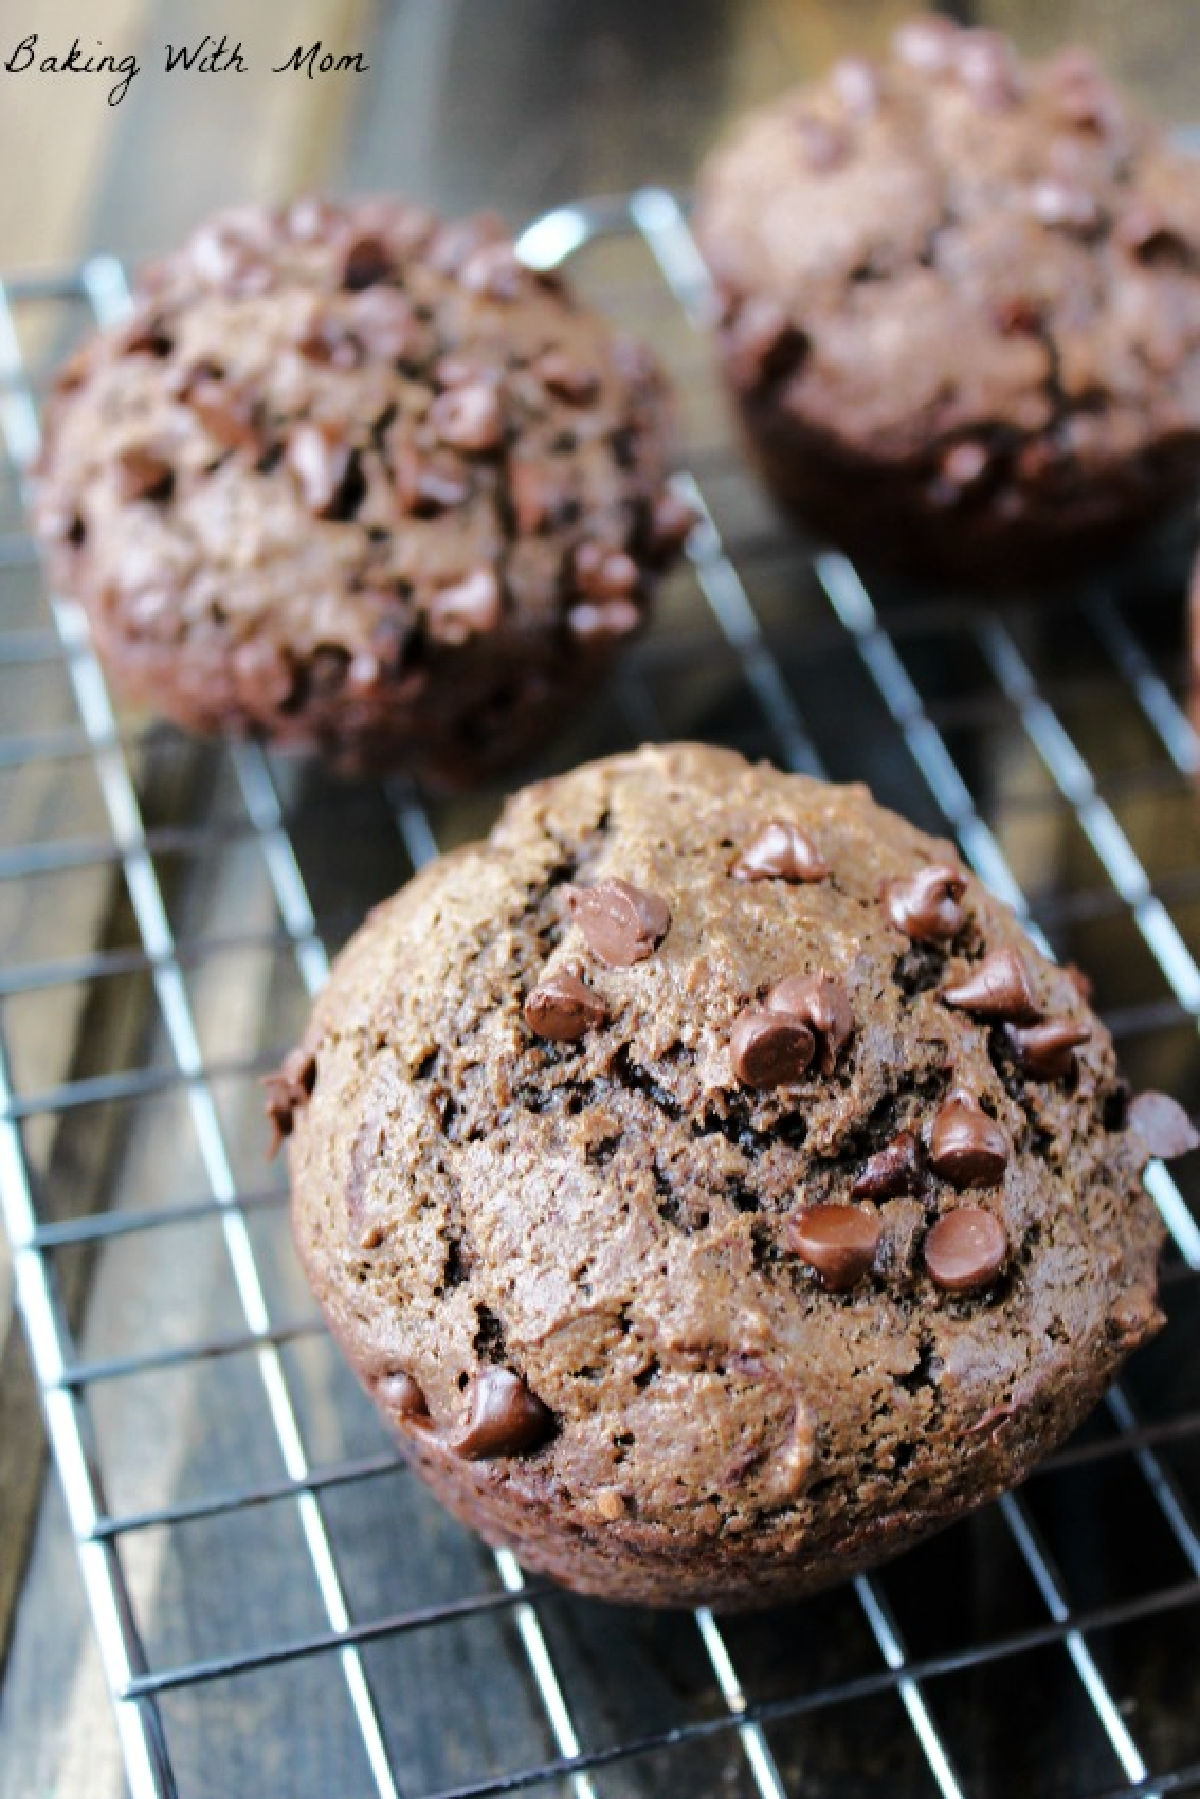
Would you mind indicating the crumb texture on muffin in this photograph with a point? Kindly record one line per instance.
(966, 289)
(734, 1218)
(353, 477)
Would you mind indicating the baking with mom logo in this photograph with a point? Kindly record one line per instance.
(206, 56)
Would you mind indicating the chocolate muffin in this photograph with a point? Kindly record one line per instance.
(353, 479)
(712, 1186)
(960, 306)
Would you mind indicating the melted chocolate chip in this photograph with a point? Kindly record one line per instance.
(998, 987)
(890, 1171)
(763, 343)
(1163, 1125)
(567, 379)
(965, 1250)
(226, 415)
(506, 1418)
(605, 574)
(966, 1147)
(780, 852)
(1046, 1052)
(768, 1049)
(562, 1008)
(466, 609)
(143, 475)
(368, 260)
(288, 1090)
(469, 417)
(821, 1002)
(399, 1395)
(926, 905)
(623, 924)
(838, 1241)
(320, 460)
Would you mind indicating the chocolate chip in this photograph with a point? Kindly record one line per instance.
(288, 1090)
(320, 459)
(327, 341)
(928, 44)
(1016, 313)
(506, 1418)
(367, 260)
(769, 1049)
(469, 417)
(1063, 206)
(966, 1147)
(383, 319)
(623, 924)
(492, 271)
(838, 1241)
(856, 83)
(427, 484)
(821, 1002)
(567, 379)
(467, 608)
(891, 1171)
(965, 1250)
(143, 475)
(1046, 1052)
(998, 987)
(763, 344)
(562, 1008)
(605, 574)
(400, 1395)
(1163, 1125)
(780, 852)
(594, 620)
(925, 905)
(145, 335)
(1146, 234)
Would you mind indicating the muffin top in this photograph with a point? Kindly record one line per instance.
(350, 431)
(953, 238)
(710, 1146)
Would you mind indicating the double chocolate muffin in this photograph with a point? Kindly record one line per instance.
(960, 306)
(711, 1184)
(353, 479)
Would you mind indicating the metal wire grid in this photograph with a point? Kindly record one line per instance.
(656, 218)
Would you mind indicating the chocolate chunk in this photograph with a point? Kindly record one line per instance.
(838, 1241)
(563, 1007)
(780, 852)
(492, 271)
(427, 484)
(1163, 1125)
(400, 1396)
(623, 924)
(764, 344)
(383, 319)
(143, 475)
(769, 1049)
(1063, 206)
(1046, 1052)
(320, 459)
(567, 379)
(966, 1147)
(925, 905)
(506, 1418)
(890, 1171)
(605, 574)
(965, 1250)
(928, 44)
(821, 1002)
(998, 987)
(367, 261)
(288, 1090)
(856, 83)
(595, 620)
(468, 608)
(469, 417)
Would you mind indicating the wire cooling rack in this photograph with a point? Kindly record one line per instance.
(279, 1606)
